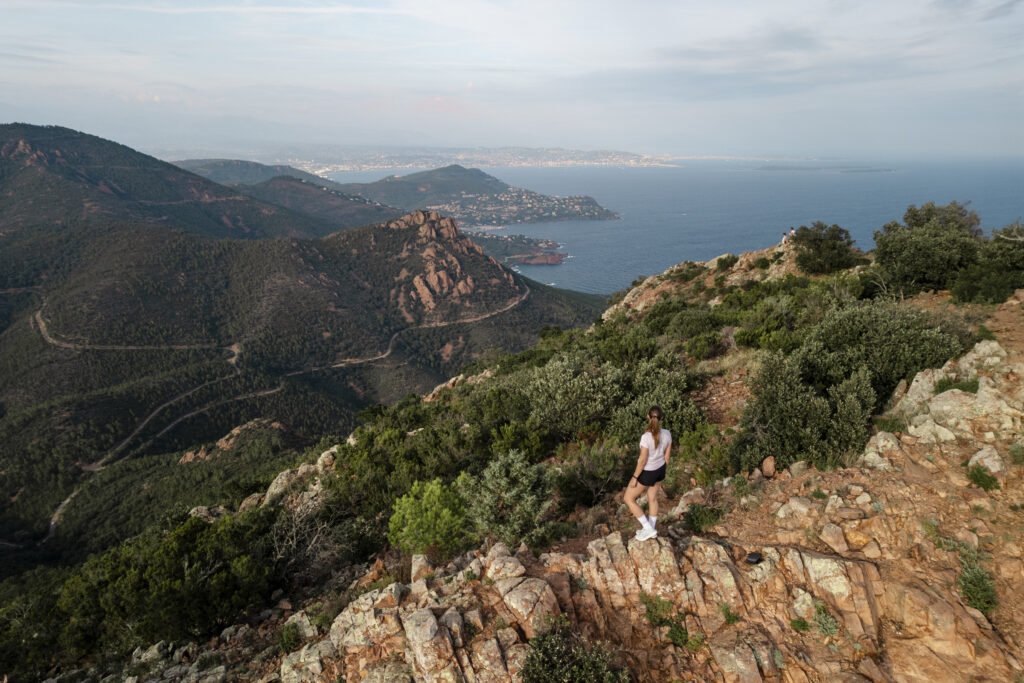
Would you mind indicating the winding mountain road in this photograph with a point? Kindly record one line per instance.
(41, 325)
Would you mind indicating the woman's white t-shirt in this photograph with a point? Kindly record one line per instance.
(655, 454)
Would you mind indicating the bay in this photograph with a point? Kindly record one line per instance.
(703, 209)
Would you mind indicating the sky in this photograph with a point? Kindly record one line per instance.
(796, 78)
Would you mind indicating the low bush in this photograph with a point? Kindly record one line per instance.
(509, 499)
(800, 624)
(430, 519)
(726, 262)
(947, 383)
(982, 478)
(563, 655)
(704, 345)
(930, 248)
(726, 611)
(788, 419)
(890, 423)
(976, 584)
(703, 446)
(826, 623)
(289, 638)
(591, 471)
(1017, 454)
(762, 263)
(823, 248)
(700, 517)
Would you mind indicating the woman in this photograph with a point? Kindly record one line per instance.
(655, 450)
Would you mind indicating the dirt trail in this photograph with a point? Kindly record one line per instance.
(391, 343)
(1007, 323)
(44, 330)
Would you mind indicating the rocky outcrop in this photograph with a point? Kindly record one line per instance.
(441, 281)
(781, 262)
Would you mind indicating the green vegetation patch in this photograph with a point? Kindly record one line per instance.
(560, 654)
(982, 478)
(948, 383)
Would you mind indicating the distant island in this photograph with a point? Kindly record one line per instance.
(519, 248)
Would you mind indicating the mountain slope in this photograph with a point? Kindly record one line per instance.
(51, 176)
(428, 188)
(240, 172)
(320, 202)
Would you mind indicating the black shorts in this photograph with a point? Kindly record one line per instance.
(651, 477)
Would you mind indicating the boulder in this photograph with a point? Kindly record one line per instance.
(532, 602)
(420, 567)
(988, 458)
(307, 665)
(431, 649)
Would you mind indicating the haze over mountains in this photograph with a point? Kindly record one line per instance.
(130, 325)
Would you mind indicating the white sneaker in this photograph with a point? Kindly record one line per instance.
(645, 534)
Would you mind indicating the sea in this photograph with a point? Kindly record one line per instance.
(699, 210)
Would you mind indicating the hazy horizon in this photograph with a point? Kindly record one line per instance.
(799, 79)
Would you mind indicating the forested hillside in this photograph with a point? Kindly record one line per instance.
(321, 202)
(51, 177)
(239, 172)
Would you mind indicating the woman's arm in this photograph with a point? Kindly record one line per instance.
(668, 454)
(641, 461)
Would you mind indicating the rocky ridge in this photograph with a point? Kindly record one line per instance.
(780, 258)
(850, 575)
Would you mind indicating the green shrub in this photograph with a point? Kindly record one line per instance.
(890, 423)
(788, 419)
(930, 248)
(699, 517)
(998, 272)
(800, 625)
(823, 248)
(289, 638)
(701, 445)
(703, 345)
(208, 660)
(198, 577)
(430, 519)
(826, 623)
(892, 342)
(727, 613)
(657, 610)
(592, 471)
(694, 321)
(1017, 454)
(762, 263)
(976, 584)
(726, 262)
(982, 478)
(509, 499)
(562, 655)
(985, 334)
(947, 383)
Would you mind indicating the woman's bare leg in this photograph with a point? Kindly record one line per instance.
(652, 500)
(634, 491)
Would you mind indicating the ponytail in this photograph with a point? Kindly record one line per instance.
(655, 416)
